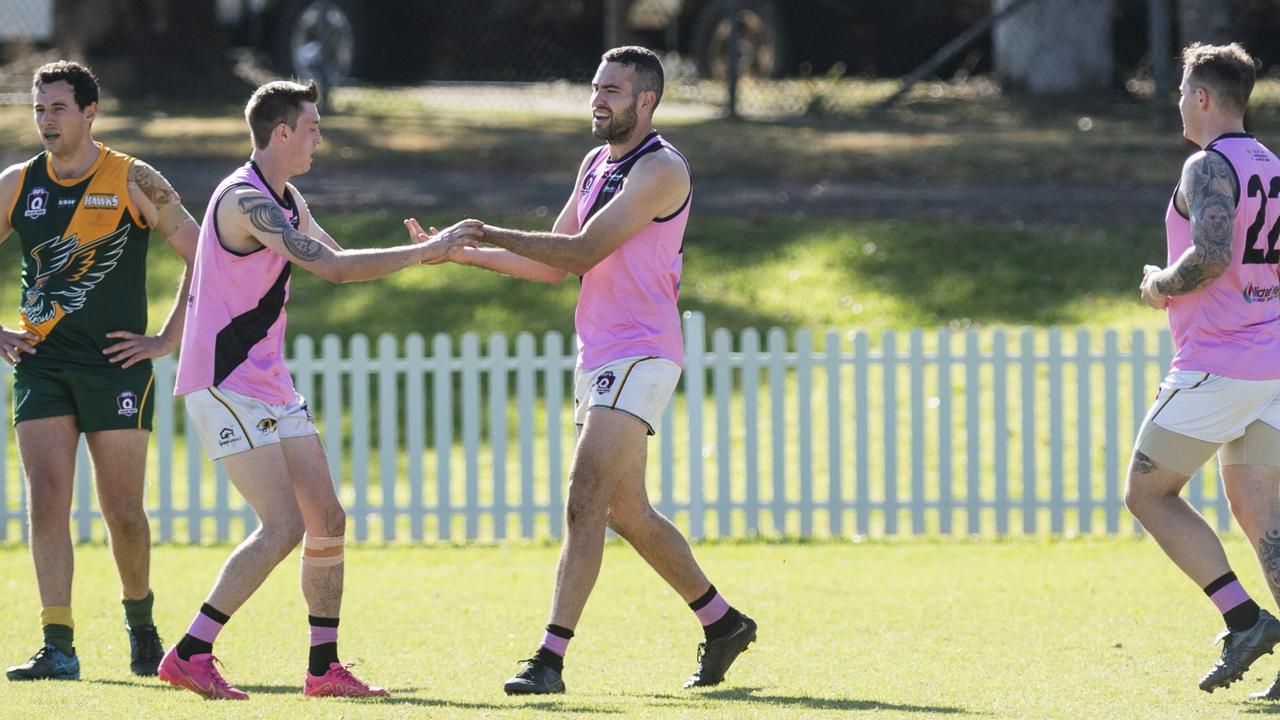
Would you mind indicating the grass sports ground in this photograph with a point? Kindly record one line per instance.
(925, 628)
(1052, 629)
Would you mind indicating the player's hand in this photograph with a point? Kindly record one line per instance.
(438, 243)
(135, 348)
(14, 343)
(1150, 294)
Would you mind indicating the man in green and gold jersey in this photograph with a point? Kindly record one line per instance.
(82, 356)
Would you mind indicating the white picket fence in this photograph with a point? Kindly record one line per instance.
(924, 433)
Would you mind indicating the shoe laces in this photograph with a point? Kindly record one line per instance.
(343, 672)
(215, 676)
(702, 650)
(143, 635)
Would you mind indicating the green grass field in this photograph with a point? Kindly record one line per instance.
(1019, 629)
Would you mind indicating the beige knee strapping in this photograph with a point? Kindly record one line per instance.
(322, 551)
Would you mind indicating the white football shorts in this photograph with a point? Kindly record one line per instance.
(638, 386)
(230, 422)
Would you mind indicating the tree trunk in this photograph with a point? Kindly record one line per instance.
(139, 48)
(1053, 47)
(1206, 21)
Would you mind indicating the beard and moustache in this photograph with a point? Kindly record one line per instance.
(619, 126)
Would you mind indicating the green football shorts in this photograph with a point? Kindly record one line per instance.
(108, 398)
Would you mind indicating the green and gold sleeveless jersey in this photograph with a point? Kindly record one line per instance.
(84, 252)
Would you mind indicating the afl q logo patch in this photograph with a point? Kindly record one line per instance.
(266, 426)
(37, 199)
(127, 404)
(604, 381)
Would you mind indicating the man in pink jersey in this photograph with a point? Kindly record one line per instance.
(241, 399)
(622, 233)
(1222, 393)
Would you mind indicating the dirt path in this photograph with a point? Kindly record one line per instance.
(333, 188)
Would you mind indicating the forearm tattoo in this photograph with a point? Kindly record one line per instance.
(267, 217)
(153, 185)
(1209, 186)
(1269, 555)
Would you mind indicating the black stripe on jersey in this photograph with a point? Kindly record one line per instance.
(248, 329)
(687, 197)
(618, 171)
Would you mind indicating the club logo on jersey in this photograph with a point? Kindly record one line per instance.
(127, 404)
(1253, 293)
(612, 182)
(37, 201)
(604, 381)
(66, 271)
(266, 426)
(102, 201)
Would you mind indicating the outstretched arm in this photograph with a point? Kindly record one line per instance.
(656, 186)
(161, 208)
(255, 218)
(1209, 188)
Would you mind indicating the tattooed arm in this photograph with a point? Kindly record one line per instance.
(248, 219)
(161, 208)
(1209, 189)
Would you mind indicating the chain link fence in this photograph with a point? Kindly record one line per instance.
(754, 58)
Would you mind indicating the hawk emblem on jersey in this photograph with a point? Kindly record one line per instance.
(66, 271)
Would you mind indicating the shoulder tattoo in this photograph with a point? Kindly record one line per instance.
(267, 217)
(153, 185)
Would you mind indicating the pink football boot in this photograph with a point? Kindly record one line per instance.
(199, 676)
(339, 682)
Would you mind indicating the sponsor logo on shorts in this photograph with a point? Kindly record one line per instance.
(126, 404)
(226, 436)
(1253, 293)
(37, 201)
(102, 201)
(604, 381)
(266, 426)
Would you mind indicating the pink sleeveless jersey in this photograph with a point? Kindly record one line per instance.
(1232, 326)
(234, 335)
(627, 306)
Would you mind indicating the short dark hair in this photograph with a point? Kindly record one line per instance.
(81, 79)
(274, 103)
(648, 67)
(1227, 71)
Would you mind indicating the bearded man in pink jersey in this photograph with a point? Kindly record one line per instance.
(1222, 393)
(241, 399)
(622, 233)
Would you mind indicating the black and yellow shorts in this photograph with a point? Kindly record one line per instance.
(107, 398)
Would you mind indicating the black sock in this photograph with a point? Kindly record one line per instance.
(551, 658)
(1240, 617)
(190, 645)
(720, 628)
(323, 654)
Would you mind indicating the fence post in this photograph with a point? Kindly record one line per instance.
(695, 377)
(332, 404)
(1084, 433)
(388, 433)
(919, 501)
(973, 432)
(553, 349)
(442, 425)
(162, 397)
(1057, 478)
(778, 425)
(1000, 427)
(835, 437)
(415, 429)
(861, 437)
(1111, 440)
(722, 374)
(498, 430)
(804, 425)
(751, 425)
(471, 431)
(889, 353)
(360, 432)
(1030, 473)
(526, 421)
(946, 496)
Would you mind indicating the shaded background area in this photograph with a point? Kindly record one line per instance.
(1019, 178)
